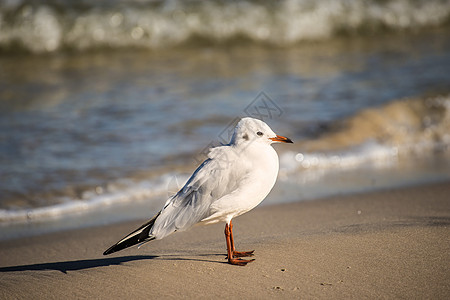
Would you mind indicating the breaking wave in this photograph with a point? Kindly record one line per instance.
(402, 129)
(49, 26)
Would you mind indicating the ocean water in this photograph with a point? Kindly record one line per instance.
(106, 108)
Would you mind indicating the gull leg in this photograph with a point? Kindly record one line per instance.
(233, 249)
(231, 259)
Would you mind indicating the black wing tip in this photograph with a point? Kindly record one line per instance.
(126, 244)
(132, 240)
(113, 249)
(109, 251)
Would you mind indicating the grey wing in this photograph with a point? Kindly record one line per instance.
(192, 203)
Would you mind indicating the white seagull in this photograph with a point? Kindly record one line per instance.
(233, 180)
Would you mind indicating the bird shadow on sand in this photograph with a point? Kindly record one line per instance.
(77, 265)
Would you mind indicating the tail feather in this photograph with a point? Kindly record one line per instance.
(140, 235)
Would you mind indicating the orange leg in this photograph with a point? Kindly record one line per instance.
(232, 258)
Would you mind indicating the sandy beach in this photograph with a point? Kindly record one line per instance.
(378, 245)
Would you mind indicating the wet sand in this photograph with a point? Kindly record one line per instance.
(385, 244)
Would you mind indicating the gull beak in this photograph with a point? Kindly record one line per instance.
(281, 139)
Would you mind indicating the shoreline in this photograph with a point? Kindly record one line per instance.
(382, 244)
(346, 183)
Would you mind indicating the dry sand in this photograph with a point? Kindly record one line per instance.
(387, 244)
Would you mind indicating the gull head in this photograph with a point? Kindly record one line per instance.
(250, 130)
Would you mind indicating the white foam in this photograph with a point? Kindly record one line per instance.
(162, 24)
(97, 199)
(372, 153)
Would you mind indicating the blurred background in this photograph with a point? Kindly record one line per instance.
(106, 107)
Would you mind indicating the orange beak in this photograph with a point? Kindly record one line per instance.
(281, 139)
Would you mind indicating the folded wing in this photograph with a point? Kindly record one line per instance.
(213, 179)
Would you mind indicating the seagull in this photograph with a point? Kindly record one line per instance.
(234, 179)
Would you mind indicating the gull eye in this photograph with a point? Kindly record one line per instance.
(259, 133)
